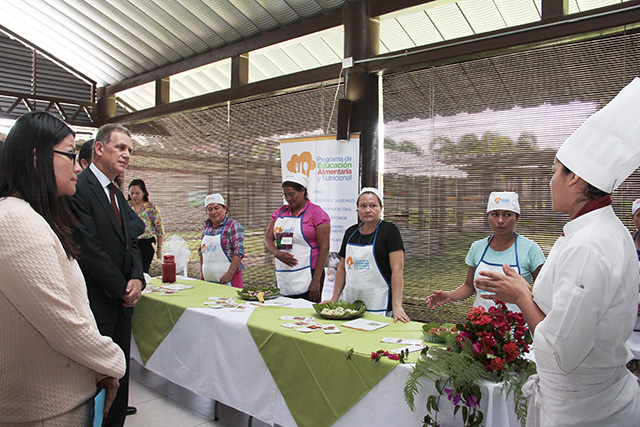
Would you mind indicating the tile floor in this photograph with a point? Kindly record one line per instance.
(161, 403)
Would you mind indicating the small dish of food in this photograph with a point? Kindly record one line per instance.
(258, 293)
(340, 310)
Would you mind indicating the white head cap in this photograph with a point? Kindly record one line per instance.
(605, 150)
(214, 198)
(371, 190)
(504, 201)
(635, 206)
(298, 178)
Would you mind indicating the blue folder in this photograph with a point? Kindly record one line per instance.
(98, 408)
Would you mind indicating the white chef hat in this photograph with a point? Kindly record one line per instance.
(214, 198)
(504, 201)
(371, 190)
(605, 150)
(635, 206)
(298, 178)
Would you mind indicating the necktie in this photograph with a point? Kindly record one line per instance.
(114, 205)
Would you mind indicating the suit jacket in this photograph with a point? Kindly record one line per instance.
(109, 254)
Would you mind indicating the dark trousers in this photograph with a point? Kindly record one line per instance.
(121, 335)
(147, 252)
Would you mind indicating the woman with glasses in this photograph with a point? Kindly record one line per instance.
(298, 236)
(372, 260)
(53, 357)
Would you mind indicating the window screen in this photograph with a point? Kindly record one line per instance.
(455, 133)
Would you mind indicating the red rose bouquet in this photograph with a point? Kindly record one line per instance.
(490, 346)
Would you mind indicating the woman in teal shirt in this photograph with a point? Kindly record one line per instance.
(505, 246)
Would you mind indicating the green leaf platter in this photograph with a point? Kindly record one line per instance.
(358, 305)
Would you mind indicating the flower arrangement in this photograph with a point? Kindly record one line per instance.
(490, 345)
(376, 355)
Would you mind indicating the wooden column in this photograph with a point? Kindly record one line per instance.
(240, 70)
(361, 41)
(106, 107)
(163, 91)
(554, 8)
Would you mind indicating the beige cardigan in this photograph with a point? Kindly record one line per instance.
(51, 353)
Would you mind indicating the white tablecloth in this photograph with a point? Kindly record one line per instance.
(212, 353)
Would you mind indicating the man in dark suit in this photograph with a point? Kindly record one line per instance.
(109, 256)
(85, 157)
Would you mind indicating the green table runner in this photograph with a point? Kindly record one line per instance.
(317, 381)
(155, 314)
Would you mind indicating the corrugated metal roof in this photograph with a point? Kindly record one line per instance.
(111, 41)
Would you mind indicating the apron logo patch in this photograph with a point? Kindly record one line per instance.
(359, 264)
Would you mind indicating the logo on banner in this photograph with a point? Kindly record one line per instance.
(302, 163)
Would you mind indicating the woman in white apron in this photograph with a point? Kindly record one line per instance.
(505, 246)
(634, 341)
(372, 260)
(583, 307)
(298, 237)
(222, 246)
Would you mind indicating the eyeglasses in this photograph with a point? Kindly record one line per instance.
(69, 155)
(289, 195)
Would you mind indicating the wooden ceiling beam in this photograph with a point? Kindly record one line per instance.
(334, 19)
(283, 34)
(272, 87)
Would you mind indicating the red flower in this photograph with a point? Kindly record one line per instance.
(394, 356)
(474, 312)
(501, 323)
(478, 348)
(496, 364)
(511, 351)
(482, 320)
(487, 338)
(374, 355)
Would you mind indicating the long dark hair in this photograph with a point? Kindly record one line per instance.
(26, 166)
(139, 183)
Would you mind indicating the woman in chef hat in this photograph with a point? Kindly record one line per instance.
(222, 246)
(583, 307)
(505, 246)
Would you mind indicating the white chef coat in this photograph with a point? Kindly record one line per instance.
(587, 289)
